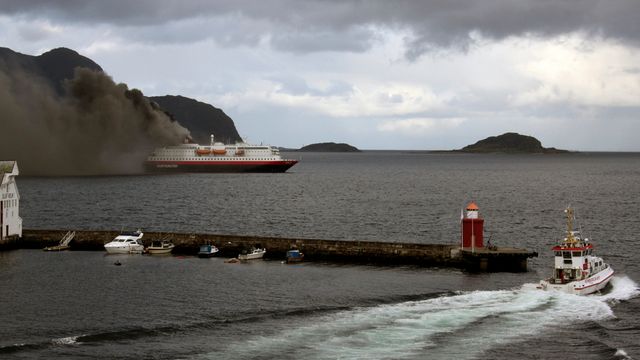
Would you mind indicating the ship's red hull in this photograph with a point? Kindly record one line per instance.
(273, 166)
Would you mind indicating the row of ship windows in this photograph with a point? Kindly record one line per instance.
(199, 158)
(179, 153)
(567, 254)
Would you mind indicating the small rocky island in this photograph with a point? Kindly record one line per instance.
(329, 147)
(510, 143)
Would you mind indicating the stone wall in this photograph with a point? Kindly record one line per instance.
(231, 245)
(370, 252)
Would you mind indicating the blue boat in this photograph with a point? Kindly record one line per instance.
(294, 256)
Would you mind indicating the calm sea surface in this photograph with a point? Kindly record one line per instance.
(79, 305)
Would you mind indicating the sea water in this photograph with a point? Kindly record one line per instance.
(79, 304)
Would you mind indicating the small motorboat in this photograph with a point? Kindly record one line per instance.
(160, 247)
(126, 243)
(577, 270)
(254, 253)
(207, 250)
(294, 256)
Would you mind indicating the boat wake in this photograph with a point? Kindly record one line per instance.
(461, 326)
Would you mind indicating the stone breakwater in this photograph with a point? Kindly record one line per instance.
(372, 252)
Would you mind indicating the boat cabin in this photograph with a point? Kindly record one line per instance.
(128, 241)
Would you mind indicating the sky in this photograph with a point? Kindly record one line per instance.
(419, 75)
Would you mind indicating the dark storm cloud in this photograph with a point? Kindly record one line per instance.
(307, 26)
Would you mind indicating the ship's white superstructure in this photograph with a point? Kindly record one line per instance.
(218, 157)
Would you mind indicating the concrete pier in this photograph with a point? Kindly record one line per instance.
(370, 252)
(496, 259)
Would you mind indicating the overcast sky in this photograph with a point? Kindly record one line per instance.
(374, 74)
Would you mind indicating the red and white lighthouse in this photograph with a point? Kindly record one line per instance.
(472, 228)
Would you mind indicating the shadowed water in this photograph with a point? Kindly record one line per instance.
(78, 304)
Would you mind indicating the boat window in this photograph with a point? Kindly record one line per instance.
(566, 254)
(558, 253)
(577, 253)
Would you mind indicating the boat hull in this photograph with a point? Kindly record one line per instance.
(124, 249)
(252, 256)
(158, 251)
(276, 166)
(57, 248)
(205, 255)
(583, 287)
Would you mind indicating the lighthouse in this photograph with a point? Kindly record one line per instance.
(472, 228)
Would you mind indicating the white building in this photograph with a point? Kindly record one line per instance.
(10, 220)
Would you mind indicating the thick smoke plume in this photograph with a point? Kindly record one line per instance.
(97, 127)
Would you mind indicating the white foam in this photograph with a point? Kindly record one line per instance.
(460, 326)
(71, 340)
(623, 288)
(621, 354)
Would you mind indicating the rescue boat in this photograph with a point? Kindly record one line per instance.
(577, 270)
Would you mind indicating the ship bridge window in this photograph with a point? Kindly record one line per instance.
(577, 253)
(558, 253)
(566, 254)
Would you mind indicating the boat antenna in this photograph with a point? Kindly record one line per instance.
(211, 139)
(579, 225)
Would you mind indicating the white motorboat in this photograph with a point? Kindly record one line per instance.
(160, 247)
(577, 270)
(255, 253)
(126, 243)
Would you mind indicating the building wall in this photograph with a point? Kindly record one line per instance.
(10, 219)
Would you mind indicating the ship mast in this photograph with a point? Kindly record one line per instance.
(570, 240)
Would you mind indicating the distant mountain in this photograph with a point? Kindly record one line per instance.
(510, 143)
(54, 66)
(200, 118)
(329, 147)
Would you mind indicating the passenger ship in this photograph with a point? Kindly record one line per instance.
(577, 270)
(217, 157)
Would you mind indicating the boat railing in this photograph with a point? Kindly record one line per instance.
(66, 239)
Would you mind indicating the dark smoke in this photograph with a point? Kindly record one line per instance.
(97, 127)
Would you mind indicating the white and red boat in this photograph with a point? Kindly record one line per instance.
(218, 157)
(577, 270)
